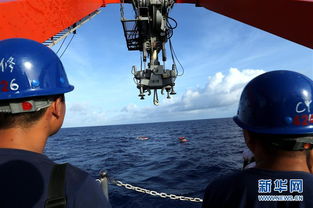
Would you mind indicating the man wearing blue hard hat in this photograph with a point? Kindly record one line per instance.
(32, 108)
(276, 115)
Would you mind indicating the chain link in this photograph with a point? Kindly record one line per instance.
(155, 193)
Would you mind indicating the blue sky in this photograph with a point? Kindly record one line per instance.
(220, 55)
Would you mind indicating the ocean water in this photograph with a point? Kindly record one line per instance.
(161, 163)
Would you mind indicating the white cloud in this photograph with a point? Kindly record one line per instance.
(84, 114)
(78, 108)
(130, 108)
(220, 91)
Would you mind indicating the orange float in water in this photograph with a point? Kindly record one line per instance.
(142, 138)
(182, 139)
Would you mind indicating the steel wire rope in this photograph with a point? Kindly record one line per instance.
(173, 53)
(135, 7)
(122, 8)
(169, 36)
(61, 45)
(67, 45)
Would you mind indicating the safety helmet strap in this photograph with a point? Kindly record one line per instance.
(25, 106)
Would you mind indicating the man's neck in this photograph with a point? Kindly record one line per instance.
(283, 164)
(31, 139)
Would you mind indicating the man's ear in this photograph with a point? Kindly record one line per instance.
(309, 159)
(249, 141)
(56, 108)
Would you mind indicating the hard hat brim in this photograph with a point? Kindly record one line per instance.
(288, 130)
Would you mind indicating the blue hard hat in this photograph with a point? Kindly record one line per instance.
(28, 69)
(277, 102)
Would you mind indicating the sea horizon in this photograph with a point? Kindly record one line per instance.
(153, 122)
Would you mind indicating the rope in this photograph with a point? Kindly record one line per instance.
(67, 45)
(122, 9)
(174, 55)
(61, 45)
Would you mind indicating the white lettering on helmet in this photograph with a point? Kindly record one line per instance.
(302, 107)
(297, 108)
(5, 64)
(308, 103)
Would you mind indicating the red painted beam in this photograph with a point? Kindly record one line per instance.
(115, 1)
(40, 20)
(290, 19)
(187, 1)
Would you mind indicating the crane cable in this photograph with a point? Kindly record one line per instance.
(67, 45)
(122, 9)
(61, 45)
(175, 57)
(169, 36)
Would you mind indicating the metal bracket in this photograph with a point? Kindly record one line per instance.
(72, 29)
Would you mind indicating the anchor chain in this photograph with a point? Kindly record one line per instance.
(155, 193)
